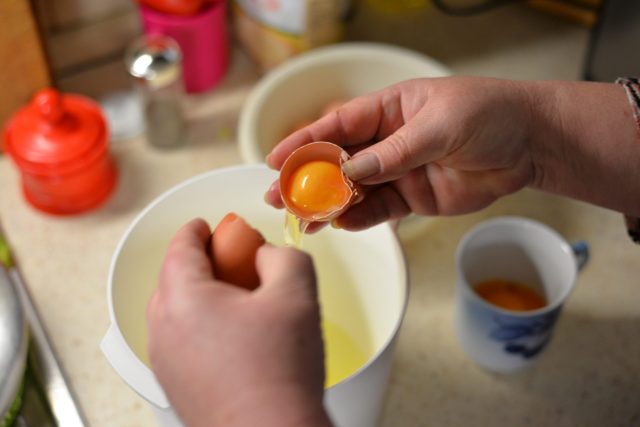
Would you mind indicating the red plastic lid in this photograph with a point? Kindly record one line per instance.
(56, 132)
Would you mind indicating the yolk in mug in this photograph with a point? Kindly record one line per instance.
(509, 295)
(318, 187)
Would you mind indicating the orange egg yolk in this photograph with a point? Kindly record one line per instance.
(510, 295)
(318, 187)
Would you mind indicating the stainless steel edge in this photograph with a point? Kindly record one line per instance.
(62, 400)
(13, 343)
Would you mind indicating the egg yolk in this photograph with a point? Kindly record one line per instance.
(510, 295)
(318, 187)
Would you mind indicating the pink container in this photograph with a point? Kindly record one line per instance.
(202, 39)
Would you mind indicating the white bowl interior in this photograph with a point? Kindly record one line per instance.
(362, 276)
(300, 88)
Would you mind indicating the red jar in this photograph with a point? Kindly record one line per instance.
(60, 145)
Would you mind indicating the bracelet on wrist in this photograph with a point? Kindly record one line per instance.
(632, 88)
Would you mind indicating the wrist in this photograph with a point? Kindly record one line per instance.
(265, 406)
(542, 112)
(584, 143)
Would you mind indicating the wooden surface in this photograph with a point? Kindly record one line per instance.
(584, 13)
(91, 42)
(60, 15)
(24, 67)
(85, 41)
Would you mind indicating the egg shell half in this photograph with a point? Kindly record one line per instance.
(320, 150)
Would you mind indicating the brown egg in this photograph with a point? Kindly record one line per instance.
(234, 245)
(312, 184)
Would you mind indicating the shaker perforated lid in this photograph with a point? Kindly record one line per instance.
(154, 59)
(55, 132)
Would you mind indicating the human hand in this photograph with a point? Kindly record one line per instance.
(439, 146)
(228, 356)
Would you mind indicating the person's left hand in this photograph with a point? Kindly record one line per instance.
(228, 356)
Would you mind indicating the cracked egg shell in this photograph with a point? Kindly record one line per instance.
(312, 184)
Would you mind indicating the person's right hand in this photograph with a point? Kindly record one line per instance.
(439, 146)
(232, 357)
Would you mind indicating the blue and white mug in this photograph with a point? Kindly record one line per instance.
(523, 251)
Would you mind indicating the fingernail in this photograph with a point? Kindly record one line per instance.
(361, 166)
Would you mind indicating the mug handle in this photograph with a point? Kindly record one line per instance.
(581, 252)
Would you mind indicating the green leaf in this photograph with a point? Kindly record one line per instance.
(5, 253)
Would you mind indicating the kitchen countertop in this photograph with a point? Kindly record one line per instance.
(590, 373)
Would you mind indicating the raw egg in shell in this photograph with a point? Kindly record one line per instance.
(312, 184)
(234, 245)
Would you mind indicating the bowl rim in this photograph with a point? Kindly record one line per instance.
(247, 134)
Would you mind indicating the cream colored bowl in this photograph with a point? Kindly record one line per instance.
(300, 88)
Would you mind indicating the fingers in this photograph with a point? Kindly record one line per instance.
(356, 122)
(459, 192)
(185, 263)
(286, 269)
(314, 227)
(412, 145)
(389, 133)
(416, 190)
(273, 196)
(381, 204)
(186, 260)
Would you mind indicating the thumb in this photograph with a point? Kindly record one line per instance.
(286, 270)
(407, 148)
(186, 261)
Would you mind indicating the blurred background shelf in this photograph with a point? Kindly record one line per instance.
(24, 67)
(84, 40)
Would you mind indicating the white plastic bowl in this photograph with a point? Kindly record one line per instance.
(362, 278)
(300, 88)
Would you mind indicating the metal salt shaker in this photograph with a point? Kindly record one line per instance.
(155, 63)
